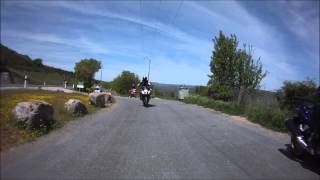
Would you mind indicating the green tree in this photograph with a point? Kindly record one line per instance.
(223, 60)
(122, 83)
(85, 71)
(201, 90)
(157, 91)
(38, 62)
(292, 93)
(233, 69)
(249, 72)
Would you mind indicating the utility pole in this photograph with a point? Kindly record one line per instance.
(149, 70)
(100, 76)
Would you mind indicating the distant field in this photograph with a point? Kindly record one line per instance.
(12, 134)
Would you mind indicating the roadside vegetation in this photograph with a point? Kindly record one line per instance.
(12, 133)
(85, 70)
(123, 82)
(270, 116)
(234, 87)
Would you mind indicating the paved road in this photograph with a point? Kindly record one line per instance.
(169, 140)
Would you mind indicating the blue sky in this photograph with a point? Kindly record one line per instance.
(175, 35)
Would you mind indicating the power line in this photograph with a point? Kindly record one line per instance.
(171, 22)
(177, 12)
(156, 28)
(141, 32)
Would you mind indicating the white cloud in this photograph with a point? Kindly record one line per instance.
(183, 49)
(82, 42)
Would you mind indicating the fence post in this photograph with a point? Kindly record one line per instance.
(25, 81)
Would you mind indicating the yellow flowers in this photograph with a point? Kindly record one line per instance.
(11, 134)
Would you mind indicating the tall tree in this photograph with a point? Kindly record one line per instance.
(86, 69)
(223, 59)
(249, 72)
(233, 69)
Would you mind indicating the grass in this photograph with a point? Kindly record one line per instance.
(12, 133)
(40, 75)
(269, 116)
(226, 107)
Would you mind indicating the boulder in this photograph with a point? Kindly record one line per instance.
(97, 99)
(100, 99)
(33, 114)
(108, 97)
(75, 106)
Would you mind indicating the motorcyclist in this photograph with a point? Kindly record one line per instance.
(315, 121)
(132, 91)
(316, 112)
(143, 83)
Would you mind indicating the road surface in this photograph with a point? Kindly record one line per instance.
(169, 140)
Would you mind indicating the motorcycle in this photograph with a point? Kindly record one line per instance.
(304, 132)
(132, 93)
(145, 95)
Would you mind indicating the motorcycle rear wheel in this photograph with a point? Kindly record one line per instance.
(295, 148)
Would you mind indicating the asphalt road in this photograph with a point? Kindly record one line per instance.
(169, 140)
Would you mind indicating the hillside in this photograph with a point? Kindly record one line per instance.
(171, 89)
(18, 65)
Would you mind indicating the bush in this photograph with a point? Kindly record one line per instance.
(292, 93)
(226, 107)
(220, 92)
(123, 83)
(202, 90)
(268, 116)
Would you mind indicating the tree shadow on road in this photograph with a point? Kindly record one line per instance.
(307, 162)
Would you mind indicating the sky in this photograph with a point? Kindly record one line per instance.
(175, 35)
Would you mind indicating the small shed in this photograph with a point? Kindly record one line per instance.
(80, 85)
(183, 92)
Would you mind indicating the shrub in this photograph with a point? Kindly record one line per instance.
(268, 116)
(220, 92)
(292, 93)
(123, 83)
(202, 90)
(226, 107)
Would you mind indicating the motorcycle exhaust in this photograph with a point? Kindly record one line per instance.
(291, 125)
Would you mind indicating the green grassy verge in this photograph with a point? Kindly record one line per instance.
(270, 117)
(226, 107)
(12, 133)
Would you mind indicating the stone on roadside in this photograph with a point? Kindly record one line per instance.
(109, 98)
(75, 106)
(33, 114)
(97, 99)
